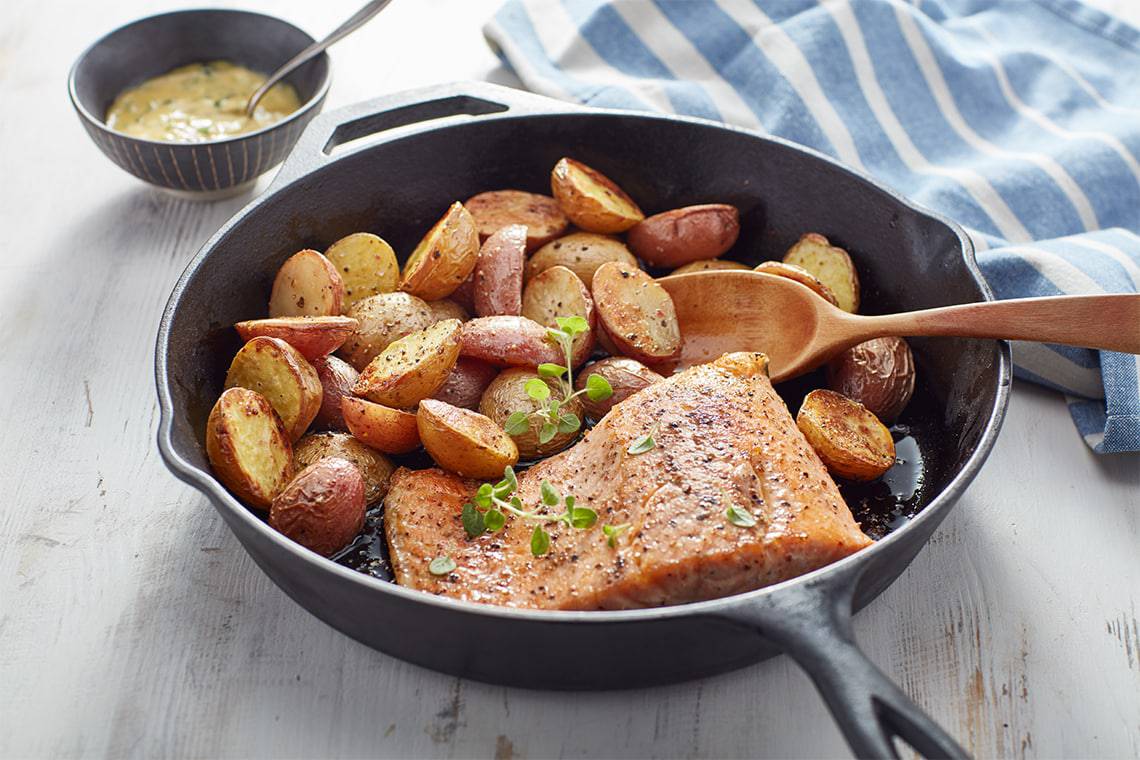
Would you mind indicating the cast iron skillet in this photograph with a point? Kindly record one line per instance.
(430, 147)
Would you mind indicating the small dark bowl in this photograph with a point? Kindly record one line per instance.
(152, 46)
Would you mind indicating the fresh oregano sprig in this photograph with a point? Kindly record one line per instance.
(554, 419)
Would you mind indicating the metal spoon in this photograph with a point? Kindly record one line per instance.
(800, 331)
(359, 19)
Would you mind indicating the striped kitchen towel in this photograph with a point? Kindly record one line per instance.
(1018, 118)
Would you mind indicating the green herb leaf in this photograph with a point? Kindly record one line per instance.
(552, 409)
(550, 495)
(557, 335)
(441, 565)
(494, 520)
(612, 532)
(509, 479)
(598, 388)
(740, 517)
(473, 521)
(642, 445)
(517, 424)
(539, 541)
(572, 325)
(569, 423)
(583, 518)
(516, 502)
(537, 389)
(551, 370)
(547, 432)
(482, 497)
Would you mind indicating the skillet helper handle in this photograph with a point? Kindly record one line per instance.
(1108, 322)
(372, 118)
(813, 626)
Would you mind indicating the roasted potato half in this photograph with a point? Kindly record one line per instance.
(277, 371)
(540, 214)
(248, 447)
(592, 200)
(306, 285)
(314, 337)
(367, 265)
(636, 313)
(800, 275)
(337, 380)
(384, 319)
(447, 309)
(685, 235)
(444, 258)
(323, 508)
(375, 468)
(466, 383)
(392, 431)
(412, 368)
(851, 441)
(831, 265)
(710, 264)
(879, 374)
(626, 376)
(463, 441)
(558, 292)
(507, 395)
(508, 342)
(580, 252)
(499, 272)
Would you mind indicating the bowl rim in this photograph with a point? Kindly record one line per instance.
(205, 482)
(99, 123)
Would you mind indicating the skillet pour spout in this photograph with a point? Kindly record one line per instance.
(391, 166)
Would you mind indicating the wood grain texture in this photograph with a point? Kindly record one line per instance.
(131, 623)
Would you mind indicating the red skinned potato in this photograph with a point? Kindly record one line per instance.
(466, 383)
(337, 378)
(592, 200)
(444, 258)
(392, 431)
(506, 341)
(685, 235)
(637, 314)
(540, 214)
(306, 285)
(375, 468)
(314, 337)
(248, 447)
(626, 376)
(323, 508)
(558, 292)
(879, 374)
(464, 295)
(499, 272)
(276, 370)
(447, 309)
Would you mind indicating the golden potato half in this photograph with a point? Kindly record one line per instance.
(444, 258)
(800, 275)
(831, 265)
(306, 285)
(366, 264)
(392, 431)
(277, 371)
(248, 447)
(540, 214)
(636, 313)
(709, 265)
(592, 200)
(580, 252)
(463, 441)
(558, 292)
(412, 368)
(851, 441)
(383, 319)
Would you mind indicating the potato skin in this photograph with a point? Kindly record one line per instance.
(306, 285)
(383, 319)
(375, 468)
(626, 376)
(831, 265)
(275, 369)
(248, 447)
(685, 235)
(507, 395)
(710, 264)
(444, 258)
(850, 440)
(412, 368)
(447, 309)
(506, 341)
(879, 374)
(798, 274)
(323, 508)
(499, 272)
(540, 214)
(558, 292)
(466, 383)
(580, 252)
(337, 378)
(314, 337)
(592, 200)
(366, 264)
(637, 314)
(463, 441)
(392, 431)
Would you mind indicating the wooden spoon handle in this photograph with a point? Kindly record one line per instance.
(1109, 322)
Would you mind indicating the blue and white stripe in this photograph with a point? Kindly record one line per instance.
(1018, 118)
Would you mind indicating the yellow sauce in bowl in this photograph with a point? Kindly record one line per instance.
(199, 103)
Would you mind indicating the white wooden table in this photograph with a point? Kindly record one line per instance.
(131, 623)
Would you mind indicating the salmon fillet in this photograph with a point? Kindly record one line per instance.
(723, 439)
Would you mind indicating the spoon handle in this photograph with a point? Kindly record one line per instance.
(1109, 322)
(357, 20)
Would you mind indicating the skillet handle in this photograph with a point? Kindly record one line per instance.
(812, 624)
(371, 118)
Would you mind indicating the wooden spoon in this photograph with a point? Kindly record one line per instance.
(726, 310)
